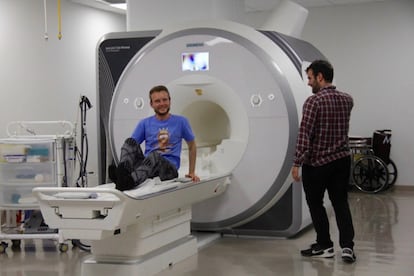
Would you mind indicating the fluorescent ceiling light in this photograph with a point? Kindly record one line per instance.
(122, 6)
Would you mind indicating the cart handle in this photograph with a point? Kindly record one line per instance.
(66, 129)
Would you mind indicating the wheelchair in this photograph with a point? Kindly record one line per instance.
(372, 169)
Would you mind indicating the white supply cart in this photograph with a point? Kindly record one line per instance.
(35, 154)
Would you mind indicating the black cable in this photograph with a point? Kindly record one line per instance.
(81, 245)
(84, 105)
(84, 150)
(65, 174)
(81, 161)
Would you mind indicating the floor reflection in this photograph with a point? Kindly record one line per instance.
(383, 244)
(40, 257)
(374, 218)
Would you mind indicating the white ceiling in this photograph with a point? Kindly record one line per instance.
(250, 5)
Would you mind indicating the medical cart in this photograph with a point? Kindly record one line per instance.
(35, 154)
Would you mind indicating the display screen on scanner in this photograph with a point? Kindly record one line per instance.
(198, 61)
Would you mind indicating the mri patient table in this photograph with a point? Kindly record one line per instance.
(141, 231)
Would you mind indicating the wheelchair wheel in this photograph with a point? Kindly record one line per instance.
(392, 174)
(370, 174)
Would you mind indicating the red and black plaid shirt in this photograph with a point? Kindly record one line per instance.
(323, 132)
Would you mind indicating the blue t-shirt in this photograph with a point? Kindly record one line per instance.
(164, 136)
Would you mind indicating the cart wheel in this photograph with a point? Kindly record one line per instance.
(3, 246)
(63, 247)
(370, 174)
(16, 243)
(392, 173)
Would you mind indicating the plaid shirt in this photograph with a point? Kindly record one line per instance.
(323, 132)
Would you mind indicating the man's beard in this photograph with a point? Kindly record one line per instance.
(315, 89)
(162, 113)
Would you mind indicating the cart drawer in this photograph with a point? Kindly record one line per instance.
(22, 173)
(22, 151)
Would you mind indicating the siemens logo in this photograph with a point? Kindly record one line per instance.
(113, 49)
(191, 45)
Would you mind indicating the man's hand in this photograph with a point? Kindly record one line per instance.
(193, 177)
(295, 174)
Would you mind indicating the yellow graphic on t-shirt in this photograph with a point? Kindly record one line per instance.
(163, 140)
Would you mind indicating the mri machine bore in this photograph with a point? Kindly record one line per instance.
(242, 90)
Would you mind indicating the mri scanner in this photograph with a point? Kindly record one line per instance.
(242, 90)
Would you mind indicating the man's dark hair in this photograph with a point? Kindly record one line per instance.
(159, 88)
(323, 67)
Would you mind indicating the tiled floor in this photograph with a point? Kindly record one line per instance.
(384, 225)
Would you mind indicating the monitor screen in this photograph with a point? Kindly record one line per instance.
(195, 61)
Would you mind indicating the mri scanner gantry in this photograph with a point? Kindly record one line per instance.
(242, 90)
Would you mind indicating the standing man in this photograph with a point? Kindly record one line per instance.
(163, 134)
(323, 153)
